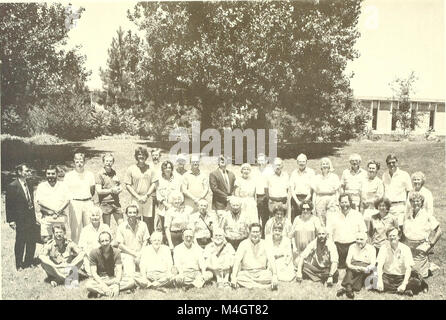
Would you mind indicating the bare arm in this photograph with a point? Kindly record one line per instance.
(127, 250)
(132, 191)
(435, 235)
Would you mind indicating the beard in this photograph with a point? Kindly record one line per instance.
(52, 180)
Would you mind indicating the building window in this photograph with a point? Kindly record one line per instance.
(394, 111)
(432, 118)
(374, 118)
(413, 114)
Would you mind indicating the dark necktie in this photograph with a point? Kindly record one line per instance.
(225, 177)
(28, 196)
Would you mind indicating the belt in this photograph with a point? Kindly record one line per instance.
(176, 231)
(280, 199)
(86, 199)
(395, 202)
(301, 195)
(325, 194)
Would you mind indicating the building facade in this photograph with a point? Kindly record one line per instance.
(431, 115)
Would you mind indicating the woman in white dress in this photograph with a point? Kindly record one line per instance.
(304, 228)
(245, 189)
(168, 183)
(326, 189)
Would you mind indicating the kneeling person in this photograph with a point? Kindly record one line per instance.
(156, 264)
(106, 270)
(395, 263)
(189, 263)
(319, 260)
(219, 257)
(131, 236)
(251, 262)
(60, 256)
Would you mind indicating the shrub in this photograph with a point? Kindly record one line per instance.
(69, 118)
(12, 122)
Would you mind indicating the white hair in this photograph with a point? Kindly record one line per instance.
(355, 156)
(301, 157)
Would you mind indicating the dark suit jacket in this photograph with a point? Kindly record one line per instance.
(219, 191)
(17, 206)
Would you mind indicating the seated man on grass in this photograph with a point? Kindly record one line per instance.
(219, 258)
(60, 257)
(89, 235)
(156, 264)
(189, 263)
(106, 270)
(319, 260)
(254, 265)
(361, 259)
(395, 268)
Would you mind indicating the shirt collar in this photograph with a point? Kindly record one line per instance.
(127, 225)
(360, 170)
(112, 172)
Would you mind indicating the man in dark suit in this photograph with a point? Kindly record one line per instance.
(21, 216)
(221, 182)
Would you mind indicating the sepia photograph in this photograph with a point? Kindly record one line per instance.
(223, 150)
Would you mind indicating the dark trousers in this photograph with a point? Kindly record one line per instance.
(262, 209)
(25, 246)
(317, 274)
(342, 252)
(355, 280)
(295, 209)
(416, 283)
(149, 222)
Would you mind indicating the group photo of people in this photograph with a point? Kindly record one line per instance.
(248, 226)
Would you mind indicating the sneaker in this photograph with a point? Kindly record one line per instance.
(340, 292)
(350, 294)
(92, 295)
(227, 286)
(408, 293)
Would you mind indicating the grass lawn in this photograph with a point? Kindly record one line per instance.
(413, 156)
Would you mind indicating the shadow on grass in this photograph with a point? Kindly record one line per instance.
(313, 150)
(38, 157)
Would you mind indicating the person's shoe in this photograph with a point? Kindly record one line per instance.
(130, 291)
(340, 292)
(274, 287)
(350, 294)
(53, 283)
(19, 269)
(408, 293)
(92, 295)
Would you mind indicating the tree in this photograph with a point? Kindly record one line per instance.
(37, 67)
(404, 115)
(119, 78)
(250, 58)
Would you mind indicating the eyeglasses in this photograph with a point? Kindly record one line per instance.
(306, 209)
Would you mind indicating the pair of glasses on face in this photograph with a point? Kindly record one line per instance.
(306, 209)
